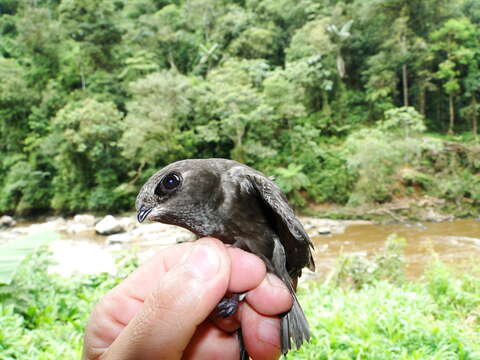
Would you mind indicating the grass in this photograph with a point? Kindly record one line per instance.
(360, 313)
(385, 321)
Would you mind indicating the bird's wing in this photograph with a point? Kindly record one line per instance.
(293, 236)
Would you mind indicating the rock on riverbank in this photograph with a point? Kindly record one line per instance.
(89, 242)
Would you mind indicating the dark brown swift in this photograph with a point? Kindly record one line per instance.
(240, 206)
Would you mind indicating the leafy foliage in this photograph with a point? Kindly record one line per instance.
(43, 315)
(358, 271)
(86, 133)
(386, 317)
(159, 105)
(97, 94)
(291, 180)
(379, 154)
(13, 253)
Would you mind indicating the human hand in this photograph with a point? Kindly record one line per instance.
(161, 311)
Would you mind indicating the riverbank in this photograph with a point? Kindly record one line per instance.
(403, 210)
(89, 243)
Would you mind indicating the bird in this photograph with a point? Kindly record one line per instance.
(242, 207)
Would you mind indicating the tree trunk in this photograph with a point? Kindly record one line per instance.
(340, 65)
(474, 118)
(82, 75)
(325, 103)
(405, 85)
(422, 100)
(403, 44)
(238, 151)
(452, 114)
(171, 61)
(475, 128)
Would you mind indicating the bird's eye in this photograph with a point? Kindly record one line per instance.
(168, 183)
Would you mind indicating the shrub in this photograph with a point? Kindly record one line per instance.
(359, 271)
(291, 180)
(377, 154)
(435, 319)
(43, 315)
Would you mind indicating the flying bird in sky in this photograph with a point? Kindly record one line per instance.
(240, 206)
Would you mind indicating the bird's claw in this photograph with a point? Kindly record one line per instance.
(228, 305)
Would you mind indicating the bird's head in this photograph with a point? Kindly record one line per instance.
(179, 193)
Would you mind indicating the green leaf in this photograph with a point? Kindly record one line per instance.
(14, 251)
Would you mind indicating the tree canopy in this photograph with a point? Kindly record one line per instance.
(96, 95)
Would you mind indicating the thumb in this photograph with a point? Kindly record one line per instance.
(183, 299)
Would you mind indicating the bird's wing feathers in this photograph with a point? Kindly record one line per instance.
(291, 232)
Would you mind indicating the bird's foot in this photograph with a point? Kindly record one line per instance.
(229, 305)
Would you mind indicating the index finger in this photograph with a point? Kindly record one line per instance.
(143, 280)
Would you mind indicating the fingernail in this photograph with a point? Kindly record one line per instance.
(203, 262)
(269, 331)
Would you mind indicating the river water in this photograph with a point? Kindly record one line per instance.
(456, 243)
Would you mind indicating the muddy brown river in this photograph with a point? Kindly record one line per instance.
(456, 243)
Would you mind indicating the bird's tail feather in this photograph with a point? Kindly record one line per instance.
(294, 326)
(243, 351)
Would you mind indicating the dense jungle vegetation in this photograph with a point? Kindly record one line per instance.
(349, 102)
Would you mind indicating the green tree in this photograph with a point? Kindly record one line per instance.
(84, 144)
(240, 111)
(285, 97)
(92, 27)
(292, 180)
(26, 186)
(159, 107)
(377, 154)
(167, 34)
(16, 99)
(38, 38)
(393, 37)
(255, 42)
(268, 82)
(456, 41)
(472, 89)
(315, 56)
(312, 39)
(338, 36)
(404, 120)
(391, 64)
(139, 64)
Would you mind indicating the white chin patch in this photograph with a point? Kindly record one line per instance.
(156, 212)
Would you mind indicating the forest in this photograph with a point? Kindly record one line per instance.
(346, 102)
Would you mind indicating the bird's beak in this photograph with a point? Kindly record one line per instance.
(143, 212)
